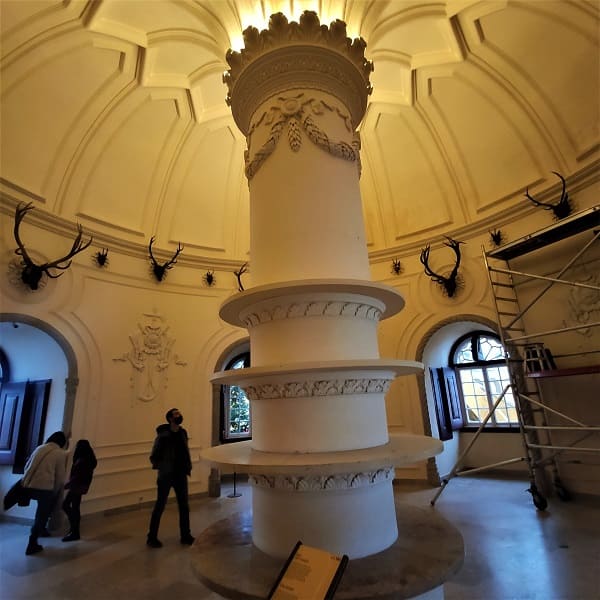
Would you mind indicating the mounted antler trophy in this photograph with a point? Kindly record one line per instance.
(160, 270)
(101, 257)
(243, 269)
(396, 266)
(562, 208)
(497, 237)
(452, 281)
(209, 278)
(31, 273)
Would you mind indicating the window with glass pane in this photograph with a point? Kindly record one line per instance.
(478, 359)
(236, 420)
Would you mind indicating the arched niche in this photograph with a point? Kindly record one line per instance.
(453, 326)
(72, 378)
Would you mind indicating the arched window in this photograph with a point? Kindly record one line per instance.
(479, 361)
(236, 424)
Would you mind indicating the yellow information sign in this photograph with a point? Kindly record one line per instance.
(309, 574)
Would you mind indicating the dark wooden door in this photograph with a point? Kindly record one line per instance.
(12, 400)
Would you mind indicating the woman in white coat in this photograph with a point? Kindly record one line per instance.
(44, 477)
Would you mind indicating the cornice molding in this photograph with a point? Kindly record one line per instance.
(320, 483)
(322, 308)
(322, 387)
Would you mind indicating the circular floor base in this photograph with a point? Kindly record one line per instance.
(428, 551)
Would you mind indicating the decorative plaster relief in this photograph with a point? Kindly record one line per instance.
(312, 309)
(323, 482)
(584, 303)
(295, 111)
(325, 387)
(150, 357)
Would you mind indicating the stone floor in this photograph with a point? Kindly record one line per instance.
(513, 551)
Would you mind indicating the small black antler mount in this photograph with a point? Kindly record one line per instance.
(160, 270)
(396, 266)
(101, 257)
(562, 208)
(31, 273)
(209, 278)
(238, 274)
(451, 282)
(497, 237)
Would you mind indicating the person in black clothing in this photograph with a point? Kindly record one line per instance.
(171, 457)
(82, 471)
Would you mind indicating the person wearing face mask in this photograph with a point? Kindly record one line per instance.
(171, 458)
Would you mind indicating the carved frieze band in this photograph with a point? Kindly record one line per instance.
(313, 309)
(322, 387)
(323, 482)
(295, 112)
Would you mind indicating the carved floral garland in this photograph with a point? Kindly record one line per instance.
(294, 111)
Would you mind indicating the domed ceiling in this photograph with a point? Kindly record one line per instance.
(114, 115)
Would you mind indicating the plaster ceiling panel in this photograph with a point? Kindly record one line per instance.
(540, 39)
(23, 21)
(124, 164)
(173, 62)
(391, 79)
(424, 34)
(17, 14)
(491, 142)
(204, 208)
(209, 93)
(40, 104)
(133, 20)
(407, 158)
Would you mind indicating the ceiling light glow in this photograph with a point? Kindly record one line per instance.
(259, 13)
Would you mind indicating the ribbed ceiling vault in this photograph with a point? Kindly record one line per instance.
(113, 115)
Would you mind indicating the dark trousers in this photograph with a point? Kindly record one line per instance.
(164, 483)
(71, 505)
(45, 503)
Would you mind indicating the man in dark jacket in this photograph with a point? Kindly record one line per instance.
(171, 457)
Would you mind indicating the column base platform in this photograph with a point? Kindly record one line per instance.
(428, 551)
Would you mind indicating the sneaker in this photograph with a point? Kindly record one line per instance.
(71, 537)
(33, 548)
(188, 539)
(153, 543)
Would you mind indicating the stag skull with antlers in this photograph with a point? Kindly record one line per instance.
(31, 273)
(564, 205)
(452, 281)
(160, 270)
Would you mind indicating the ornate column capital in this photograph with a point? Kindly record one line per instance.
(291, 55)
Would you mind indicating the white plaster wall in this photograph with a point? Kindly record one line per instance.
(96, 311)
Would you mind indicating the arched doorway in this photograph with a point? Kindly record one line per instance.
(39, 356)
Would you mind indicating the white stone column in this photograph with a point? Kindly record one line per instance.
(320, 459)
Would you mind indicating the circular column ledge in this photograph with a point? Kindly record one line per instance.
(403, 448)
(391, 298)
(372, 367)
(428, 551)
